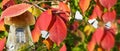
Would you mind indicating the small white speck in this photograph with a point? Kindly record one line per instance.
(11, 46)
(45, 34)
(78, 16)
(108, 25)
(93, 22)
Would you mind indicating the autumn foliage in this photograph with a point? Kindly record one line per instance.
(69, 25)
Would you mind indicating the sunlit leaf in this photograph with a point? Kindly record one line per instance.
(63, 48)
(84, 4)
(108, 3)
(109, 16)
(15, 10)
(108, 41)
(58, 31)
(2, 44)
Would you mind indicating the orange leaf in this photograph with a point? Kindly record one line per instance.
(58, 31)
(64, 7)
(35, 34)
(2, 44)
(48, 43)
(84, 4)
(99, 49)
(91, 44)
(15, 10)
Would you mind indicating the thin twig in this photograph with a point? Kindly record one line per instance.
(34, 4)
(38, 7)
(38, 2)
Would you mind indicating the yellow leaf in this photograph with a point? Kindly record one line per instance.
(2, 28)
(0, 5)
(88, 29)
(30, 9)
(35, 11)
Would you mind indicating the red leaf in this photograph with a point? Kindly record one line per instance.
(84, 4)
(75, 25)
(91, 44)
(4, 2)
(44, 20)
(2, 44)
(35, 34)
(64, 17)
(118, 21)
(93, 16)
(109, 16)
(64, 7)
(108, 3)
(108, 41)
(63, 48)
(15, 10)
(98, 34)
(62, 14)
(58, 31)
(7, 3)
(113, 28)
(98, 11)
